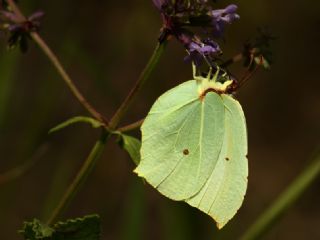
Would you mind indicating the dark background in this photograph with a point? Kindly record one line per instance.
(104, 45)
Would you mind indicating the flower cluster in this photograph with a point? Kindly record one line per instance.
(18, 30)
(180, 15)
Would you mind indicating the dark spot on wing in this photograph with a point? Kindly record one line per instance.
(227, 159)
(185, 151)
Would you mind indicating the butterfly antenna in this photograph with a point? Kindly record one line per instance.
(216, 75)
(194, 70)
(209, 73)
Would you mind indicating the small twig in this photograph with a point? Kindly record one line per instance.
(57, 64)
(131, 126)
(122, 110)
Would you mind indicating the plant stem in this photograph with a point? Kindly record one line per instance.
(57, 64)
(80, 178)
(122, 110)
(285, 200)
(97, 150)
(131, 126)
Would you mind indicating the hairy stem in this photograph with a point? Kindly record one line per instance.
(80, 178)
(57, 64)
(122, 110)
(285, 200)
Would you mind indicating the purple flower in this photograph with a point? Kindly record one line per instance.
(221, 17)
(199, 51)
(181, 17)
(159, 3)
(8, 16)
(20, 31)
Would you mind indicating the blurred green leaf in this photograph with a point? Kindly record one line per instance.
(132, 145)
(94, 123)
(36, 230)
(86, 228)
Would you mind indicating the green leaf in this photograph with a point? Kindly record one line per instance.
(86, 228)
(36, 230)
(94, 123)
(132, 145)
(194, 147)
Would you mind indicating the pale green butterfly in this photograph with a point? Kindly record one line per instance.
(194, 146)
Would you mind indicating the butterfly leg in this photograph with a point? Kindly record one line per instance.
(215, 77)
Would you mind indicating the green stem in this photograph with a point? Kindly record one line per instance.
(122, 110)
(285, 200)
(80, 178)
(131, 126)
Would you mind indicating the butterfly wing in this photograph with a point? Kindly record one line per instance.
(181, 141)
(224, 191)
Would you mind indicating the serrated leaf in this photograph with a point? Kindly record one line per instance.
(132, 145)
(86, 228)
(194, 147)
(94, 123)
(36, 230)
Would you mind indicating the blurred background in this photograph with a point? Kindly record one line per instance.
(104, 46)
